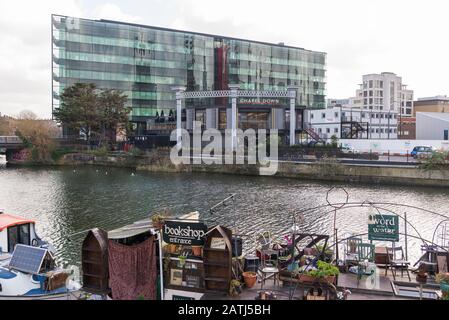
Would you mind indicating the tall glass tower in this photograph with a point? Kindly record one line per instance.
(146, 62)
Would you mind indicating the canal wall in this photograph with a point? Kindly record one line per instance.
(325, 170)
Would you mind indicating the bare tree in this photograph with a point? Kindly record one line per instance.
(37, 135)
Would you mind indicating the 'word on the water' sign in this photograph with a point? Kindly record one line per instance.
(383, 227)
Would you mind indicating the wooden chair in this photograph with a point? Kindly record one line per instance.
(396, 260)
(351, 250)
(365, 252)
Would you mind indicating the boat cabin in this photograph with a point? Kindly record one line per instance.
(16, 230)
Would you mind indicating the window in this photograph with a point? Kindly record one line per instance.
(320, 130)
(328, 130)
(371, 83)
(336, 114)
(335, 130)
(363, 115)
(371, 93)
(311, 116)
(18, 235)
(323, 115)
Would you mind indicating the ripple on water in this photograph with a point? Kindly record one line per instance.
(65, 202)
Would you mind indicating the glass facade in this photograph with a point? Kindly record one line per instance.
(146, 62)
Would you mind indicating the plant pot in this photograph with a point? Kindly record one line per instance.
(250, 278)
(197, 250)
(305, 278)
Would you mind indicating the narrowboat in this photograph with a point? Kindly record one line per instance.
(27, 263)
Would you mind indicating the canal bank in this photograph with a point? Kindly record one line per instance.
(324, 170)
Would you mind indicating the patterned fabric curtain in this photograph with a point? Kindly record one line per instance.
(133, 270)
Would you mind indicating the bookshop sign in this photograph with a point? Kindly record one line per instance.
(187, 233)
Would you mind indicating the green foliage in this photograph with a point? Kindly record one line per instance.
(442, 277)
(135, 152)
(96, 113)
(160, 216)
(324, 269)
(58, 153)
(100, 152)
(334, 141)
(435, 161)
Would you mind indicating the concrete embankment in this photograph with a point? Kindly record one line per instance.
(326, 171)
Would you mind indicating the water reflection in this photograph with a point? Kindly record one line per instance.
(65, 201)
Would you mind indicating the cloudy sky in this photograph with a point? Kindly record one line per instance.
(359, 36)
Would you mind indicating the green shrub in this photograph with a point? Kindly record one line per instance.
(324, 269)
(58, 153)
(100, 152)
(436, 161)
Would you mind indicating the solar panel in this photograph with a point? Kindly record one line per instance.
(27, 258)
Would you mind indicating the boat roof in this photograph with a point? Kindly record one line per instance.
(8, 220)
(132, 230)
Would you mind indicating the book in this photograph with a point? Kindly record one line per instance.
(176, 277)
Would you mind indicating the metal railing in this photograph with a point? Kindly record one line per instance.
(10, 140)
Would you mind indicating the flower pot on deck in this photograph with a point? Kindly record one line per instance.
(250, 278)
(305, 278)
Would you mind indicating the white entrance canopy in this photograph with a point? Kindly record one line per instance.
(234, 93)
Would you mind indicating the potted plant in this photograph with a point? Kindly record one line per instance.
(250, 278)
(324, 272)
(443, 280)
(158, 219)
(182, 261)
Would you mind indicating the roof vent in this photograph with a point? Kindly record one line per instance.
(281, 44)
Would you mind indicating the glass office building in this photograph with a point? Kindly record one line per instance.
(146, 62)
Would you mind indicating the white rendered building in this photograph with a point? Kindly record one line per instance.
(346, 121)
(385, 92)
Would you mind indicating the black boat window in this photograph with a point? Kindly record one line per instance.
(18, 235)
(13, 237)
(24, 234)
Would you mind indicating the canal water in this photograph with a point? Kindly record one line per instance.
(65, 201)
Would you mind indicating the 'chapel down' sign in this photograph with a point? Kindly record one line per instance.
(188, 233)
(383, 227)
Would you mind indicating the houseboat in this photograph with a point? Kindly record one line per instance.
(27, 265)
